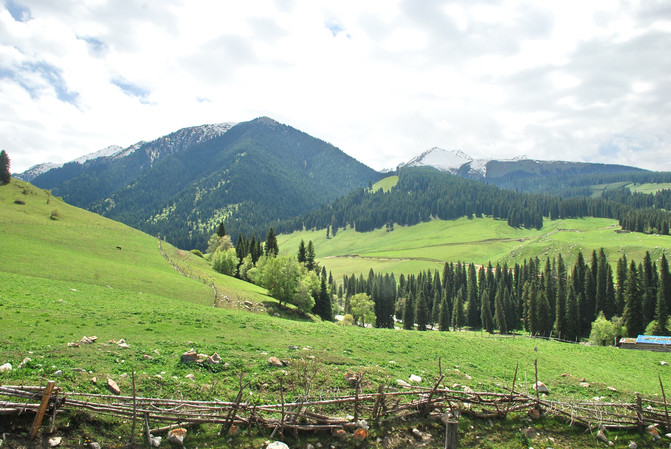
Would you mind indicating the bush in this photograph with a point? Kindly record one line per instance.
(347, 320)
(55, 215)
(604, 332)
(225, 261)
(197, 252)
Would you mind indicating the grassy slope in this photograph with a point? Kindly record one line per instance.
(60, 281)
(430, 245)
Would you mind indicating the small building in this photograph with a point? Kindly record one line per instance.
(647, 343)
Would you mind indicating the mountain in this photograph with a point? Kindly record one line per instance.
(183, 185)
(497, 171)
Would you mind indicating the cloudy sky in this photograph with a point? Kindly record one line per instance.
(383, 80)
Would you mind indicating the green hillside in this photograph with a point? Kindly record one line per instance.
(410, 249)
(63, 278)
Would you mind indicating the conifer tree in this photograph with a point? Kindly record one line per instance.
(621, 278)
(458, 318)
(572, 321)
(221, 229)
(444, 318)
(648, 290)
(633, 314)
(560, 305)
(473, 300)
(301, 257)
(310, 257)
(499, 312)
(421, 312)
(271, 250)
(601, 285)
(544, 316)
(325, 309)
(5, 174)
(663, 296)
(408, 313)
(486, 312)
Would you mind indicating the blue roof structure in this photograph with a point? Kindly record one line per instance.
(654, 340)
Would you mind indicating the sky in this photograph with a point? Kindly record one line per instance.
(383, 80)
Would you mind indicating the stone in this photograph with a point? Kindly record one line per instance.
(277, 445)
(73, 345)
(601, 435)
(360, 434)
(147, 357)
(188, 357)
(663, 363)
(309, 446)
(155, 441)
(564, 375)
(24, 362)
(632, 445)
(417, 434)
(58, 373)
(7, 367)
(584, 384)
(583, 380)
(612, 389)
(653, 432)
(112, 386)
(415, 378)
(176, 436)
(294, 347)
(214, 359)
(351, 378)
(190, 376)
(402, 383)
(339, 433)
(541, 387)
(88, 340)
(468, 390)
(94, 445)
(94, 380)
(54, 441)
(534, 413)
(122, 344)
(274, 361)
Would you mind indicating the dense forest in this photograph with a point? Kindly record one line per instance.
(422, 194)
(542, 298)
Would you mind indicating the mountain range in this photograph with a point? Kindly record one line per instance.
(255, 174)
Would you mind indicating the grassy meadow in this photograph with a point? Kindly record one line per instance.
(62, 278)
(480, 240)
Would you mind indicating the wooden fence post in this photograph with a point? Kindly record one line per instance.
(451, 434)
(43, 408)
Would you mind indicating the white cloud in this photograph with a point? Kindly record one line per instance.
(383, 80)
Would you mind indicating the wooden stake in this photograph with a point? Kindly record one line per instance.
(538, 398)
(512, 390)
(132, 428)
(451, 434)
(666, 410)
(43, 408)
(147, 433)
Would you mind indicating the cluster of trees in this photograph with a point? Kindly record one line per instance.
(5, 175)
(423, 193)
(545, 299)
(291, 280)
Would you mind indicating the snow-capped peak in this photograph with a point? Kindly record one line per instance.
(105, 152)
(441, 159)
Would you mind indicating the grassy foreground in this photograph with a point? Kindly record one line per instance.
(64, 278)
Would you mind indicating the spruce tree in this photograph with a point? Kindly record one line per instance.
(619, 291)
(458, 317)
(485, 311)
(301, 257)
(499, 312)
(5, 175)
(572, 321)
(421, 312)
(310, 257)
(648, 290)
(663, 296)
(271, 249)
(444, 316)
(221, 229)
(325, 308)
(560, 305)
(408, 314)
(473, 300)
(544, 314)
(633, 315)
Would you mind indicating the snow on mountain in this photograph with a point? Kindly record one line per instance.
(174, 141)
(441, 159)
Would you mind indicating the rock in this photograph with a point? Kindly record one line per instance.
(584, 384)
(360, 434)
(188, 357)
(417, 434)
(214, 359)
(601, 435)
(190, 376)
(414, 378)
(94, 380)
(79, 370)
(468, 390)
(176, 436)
(227, 365)
(564, 375)
(339, 433)
(54, 441)
(88, 340)
(468, 377)
(534, 413)
(58, 373)
(402, 383)
(362, 424)
(147, 357)
(73, 345)
(653, 432)
(663, 363)
(274, 361)
(294, 347)
(122, 344)
(583, 380)
(234, 431)
(309, 446)
(351, 378)
(277, 445)
(24, 362)
(94, 445)
(612, 388)
(155, 441)
(112, 386)
(541, 387)
(632, 445)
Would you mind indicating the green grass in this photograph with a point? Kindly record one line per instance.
(61, 280)
(597, 189)
(429, 245)
(385, 184)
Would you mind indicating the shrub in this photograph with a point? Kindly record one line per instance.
(347, 320)
(197, 253)
(55, 215)
(604, 332)
(225, 261)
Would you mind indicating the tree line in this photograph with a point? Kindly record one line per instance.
(542, 298)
